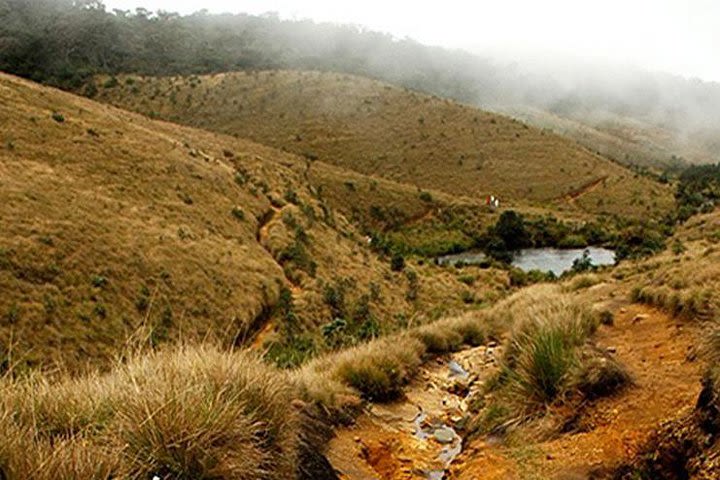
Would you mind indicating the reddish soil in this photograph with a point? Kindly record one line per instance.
(657, 351)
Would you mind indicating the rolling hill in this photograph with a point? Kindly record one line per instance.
(408, 137)
(117, 228)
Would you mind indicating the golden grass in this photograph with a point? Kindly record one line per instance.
(583, 281)
(379, 129)
(547, 360)
(114, 223)
(200, 412)
(379, 370)
(683, 282)
(189, 412)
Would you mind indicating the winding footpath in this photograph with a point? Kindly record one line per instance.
(399, 441)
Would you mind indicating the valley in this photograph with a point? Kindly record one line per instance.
(227, 254)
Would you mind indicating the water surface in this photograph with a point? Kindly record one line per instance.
(556, 260)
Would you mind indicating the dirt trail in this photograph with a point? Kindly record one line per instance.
(265, 223)
(414, 438)
(585, 189)
(263, 234)
(655, 348)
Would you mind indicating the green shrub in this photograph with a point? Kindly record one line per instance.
(58, 117)
(291, 196)
(111, 82)
(238, 213)
(397, 263)
(606, 317)
(601, 376)
(467, 279)
(426, 197)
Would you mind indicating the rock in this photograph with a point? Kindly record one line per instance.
(460, 422)
(611, 349)
(444, 435)
(459, 388)
(623, 310)
(492, 344)
(456, 370)
(639, 317)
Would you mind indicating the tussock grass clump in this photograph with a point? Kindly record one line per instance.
(581, 282)
(543, 350)
(450, 334)
(378, 370)
(695, 302)
(185, 413)
(547, 359)
(205, 414)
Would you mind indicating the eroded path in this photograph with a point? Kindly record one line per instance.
(415, 438)
(392, 442)
(658, 352)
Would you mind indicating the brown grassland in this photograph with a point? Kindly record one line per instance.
(146, 268)
(112, 223)
(379, 129)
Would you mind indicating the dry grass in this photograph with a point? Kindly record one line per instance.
(375, 128)
(198, 412)
(113, 223)
(627, 140)
(581, 282)
(547, 360)
(189, 412)
(684, 283)
(378, 370)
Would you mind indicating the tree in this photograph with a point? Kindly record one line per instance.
(510, 227)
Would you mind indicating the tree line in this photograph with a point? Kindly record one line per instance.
(63, 42)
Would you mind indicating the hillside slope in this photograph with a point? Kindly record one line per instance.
(376, 128)
(115, 226)
(627, 140)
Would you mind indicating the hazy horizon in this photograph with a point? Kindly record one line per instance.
(672, 36)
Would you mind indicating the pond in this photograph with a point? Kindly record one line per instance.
(556, 260)
(559, 260)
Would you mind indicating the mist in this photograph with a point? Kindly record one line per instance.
(622, 81)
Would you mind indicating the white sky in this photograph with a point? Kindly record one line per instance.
(676, 36)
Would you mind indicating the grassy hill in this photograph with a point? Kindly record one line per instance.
(408, 137)
(117, 228)
(628, 140)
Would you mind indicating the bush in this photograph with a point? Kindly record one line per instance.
(111, 82)
(582, 264)
(544, 354)
(426, 197)
(601, 376)
(378, 371)
(397, 263)
(238, 213)
(606, 317)
(58, 117)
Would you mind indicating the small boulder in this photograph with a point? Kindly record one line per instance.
(444, 435)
